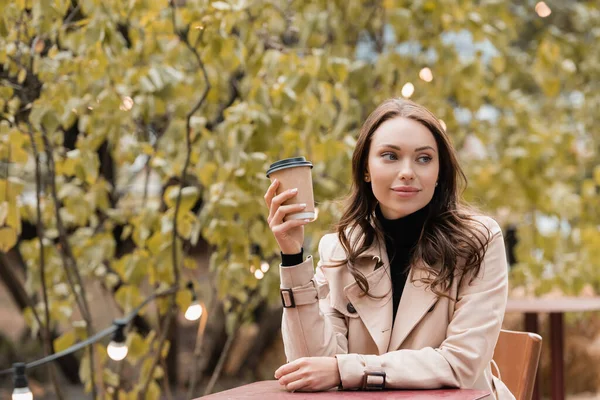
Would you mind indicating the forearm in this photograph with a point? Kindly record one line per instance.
(308, 330)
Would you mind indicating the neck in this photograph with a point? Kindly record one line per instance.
(404, 231)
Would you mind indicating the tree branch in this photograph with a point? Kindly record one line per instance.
(47, 336)
(188, 139)
(69, 263)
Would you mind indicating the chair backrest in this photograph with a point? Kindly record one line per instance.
(517, 355)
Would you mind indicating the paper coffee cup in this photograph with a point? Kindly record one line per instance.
(295, 173)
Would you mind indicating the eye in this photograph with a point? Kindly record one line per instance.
(424, 159)
(389, 156)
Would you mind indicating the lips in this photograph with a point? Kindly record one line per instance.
(405, 189)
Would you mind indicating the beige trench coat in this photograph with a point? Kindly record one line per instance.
(435, 342)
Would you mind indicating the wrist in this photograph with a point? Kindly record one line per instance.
(291, 251)
(338, 382)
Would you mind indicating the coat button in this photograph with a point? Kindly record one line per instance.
(350, 308)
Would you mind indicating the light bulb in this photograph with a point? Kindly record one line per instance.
(264, 266)
(542, 9)
(21, 391)
(426, 74)
(194, 311)
(22, 394)
(117, 350)
(258, 274)
(408, 89)
(127, 104)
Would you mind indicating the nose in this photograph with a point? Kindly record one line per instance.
(406, 172)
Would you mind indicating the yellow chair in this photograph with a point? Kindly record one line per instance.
(517, 355)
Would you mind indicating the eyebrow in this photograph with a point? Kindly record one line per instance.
(393, 146)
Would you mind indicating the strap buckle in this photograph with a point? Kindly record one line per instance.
(377, 381)
(287, 298)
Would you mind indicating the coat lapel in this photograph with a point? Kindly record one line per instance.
(417, 298)
(375, 311)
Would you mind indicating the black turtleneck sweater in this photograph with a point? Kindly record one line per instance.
(401, 236)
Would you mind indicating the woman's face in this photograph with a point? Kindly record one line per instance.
(403, 166)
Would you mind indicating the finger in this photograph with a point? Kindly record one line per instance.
(299, 385)
(294, 376)
(283, 211)
(286, 369)
(271, 192)
(286, 226)
(280, 198)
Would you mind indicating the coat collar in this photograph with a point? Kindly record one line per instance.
(376, 313)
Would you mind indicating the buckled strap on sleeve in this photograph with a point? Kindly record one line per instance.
(293, 297)
(374, 375)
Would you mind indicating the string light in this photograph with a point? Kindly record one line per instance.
(264, 267)
(117, 349)
(21, 390)
(258, 274)
(426, 74)
(127, 104)
(542, 9)
(194, 311)
(408, 89)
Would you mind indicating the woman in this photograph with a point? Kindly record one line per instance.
(410, 292)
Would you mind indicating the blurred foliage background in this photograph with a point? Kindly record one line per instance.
(135, 136)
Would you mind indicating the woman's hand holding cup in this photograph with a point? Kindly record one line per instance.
(289, 234)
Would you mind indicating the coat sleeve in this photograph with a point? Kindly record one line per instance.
(311, 328)
(470, 337)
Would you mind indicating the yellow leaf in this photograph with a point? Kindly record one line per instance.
(13, 217)
(110, 377)
(4, 213)
(183, 299)
(189, 263)
(133, 395)
(189, 195)
(221, 5)
(65, 341)
(138, 348)
(8, 239)
(128, 297)
(153, 391)
(22, 75)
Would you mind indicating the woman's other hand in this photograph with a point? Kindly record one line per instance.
(309, 374)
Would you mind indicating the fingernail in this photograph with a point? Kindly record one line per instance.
(307, 220)
(295, 190)
(303, 205)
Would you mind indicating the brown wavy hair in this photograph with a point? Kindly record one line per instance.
(450, 244)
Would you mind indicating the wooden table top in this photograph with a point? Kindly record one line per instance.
(553, 305)
(271, 390)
